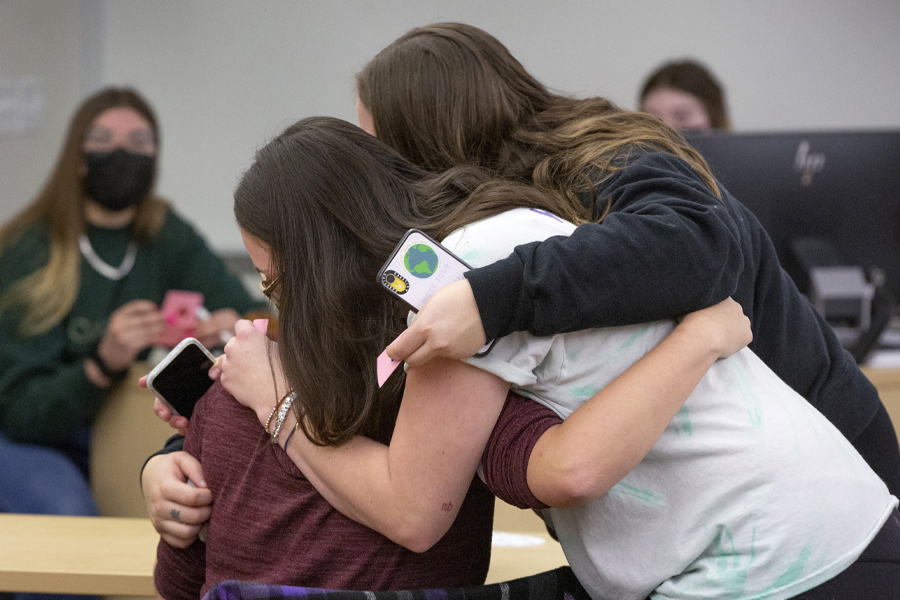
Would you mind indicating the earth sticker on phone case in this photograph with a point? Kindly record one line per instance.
(418, 267)
(421, 261)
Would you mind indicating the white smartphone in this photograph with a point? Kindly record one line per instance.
(182, 377)
(417, 268)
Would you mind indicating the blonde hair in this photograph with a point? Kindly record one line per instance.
(47, 295)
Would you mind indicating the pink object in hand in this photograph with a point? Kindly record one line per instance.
(385, 365)
(261, 325)
(179, 308)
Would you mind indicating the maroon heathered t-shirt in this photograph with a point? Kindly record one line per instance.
(505, 461)
(269, 524)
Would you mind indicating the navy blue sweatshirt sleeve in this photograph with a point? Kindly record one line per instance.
(669, 246)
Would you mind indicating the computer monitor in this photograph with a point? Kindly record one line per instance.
(842, 187)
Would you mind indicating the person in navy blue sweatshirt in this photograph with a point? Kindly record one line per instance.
(668, 239)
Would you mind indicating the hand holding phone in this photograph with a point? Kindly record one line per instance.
(182, 377)
(420, 266)
(417, 268)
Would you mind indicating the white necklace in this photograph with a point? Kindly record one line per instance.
(112, 273)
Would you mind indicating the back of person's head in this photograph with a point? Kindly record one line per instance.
(331, 202)
(691, 78)
(448, 94)
(451, 94)
(48, 294)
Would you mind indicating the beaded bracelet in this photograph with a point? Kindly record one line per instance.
(275, 411)
(269, 420)
(271, 414)
(282, 413)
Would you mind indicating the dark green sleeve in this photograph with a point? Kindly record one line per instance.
(45, 396)
(193, 265)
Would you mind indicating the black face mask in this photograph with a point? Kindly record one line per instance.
(117, 180)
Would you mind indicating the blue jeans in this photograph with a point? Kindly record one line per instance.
(42, 480)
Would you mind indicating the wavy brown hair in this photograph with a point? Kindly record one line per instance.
(331, 202)
(449, 94)
(47, 295)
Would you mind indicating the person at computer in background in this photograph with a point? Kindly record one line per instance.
(686, 96)
(667, 245)
(83, 270)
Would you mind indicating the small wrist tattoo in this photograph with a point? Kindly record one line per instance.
(447, 506)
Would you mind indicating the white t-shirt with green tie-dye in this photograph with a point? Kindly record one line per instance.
(749, 493)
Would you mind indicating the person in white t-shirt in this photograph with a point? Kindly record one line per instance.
(749, 492)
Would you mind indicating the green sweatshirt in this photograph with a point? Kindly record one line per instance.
(45, 394)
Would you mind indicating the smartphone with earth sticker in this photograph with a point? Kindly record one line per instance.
(418, 267)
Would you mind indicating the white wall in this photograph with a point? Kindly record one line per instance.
(225, 76)
(40, 45)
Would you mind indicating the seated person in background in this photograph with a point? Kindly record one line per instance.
(83, 270)
(686, 96)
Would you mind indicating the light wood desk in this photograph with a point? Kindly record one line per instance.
(88, 555)
(77, 555)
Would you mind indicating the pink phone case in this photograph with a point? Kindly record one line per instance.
(180, 310)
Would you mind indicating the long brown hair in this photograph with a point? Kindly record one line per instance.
(449, 94)
(331, 202)
(47, 295)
